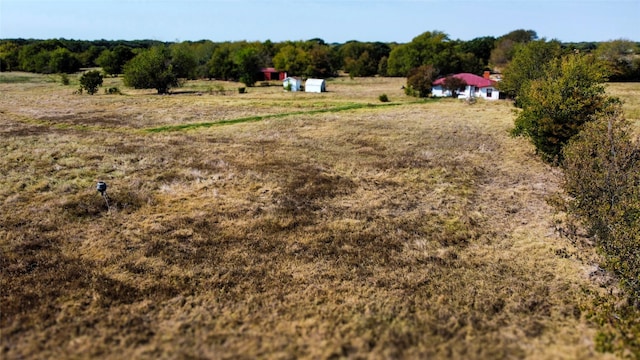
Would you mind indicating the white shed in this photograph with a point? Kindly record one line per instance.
(292, 84)
(315, 85)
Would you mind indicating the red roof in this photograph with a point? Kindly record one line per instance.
(470, 79)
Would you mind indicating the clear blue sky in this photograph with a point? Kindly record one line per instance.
(331, 20)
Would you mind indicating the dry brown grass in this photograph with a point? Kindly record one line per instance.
(416, 230)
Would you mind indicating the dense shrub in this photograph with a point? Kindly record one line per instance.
(113, 91)
(90, 81)
(419, 81)
(602, 172)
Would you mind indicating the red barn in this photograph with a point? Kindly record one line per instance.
(272, 74)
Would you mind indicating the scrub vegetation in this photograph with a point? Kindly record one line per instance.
(322, 226)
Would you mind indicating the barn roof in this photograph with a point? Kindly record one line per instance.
(470, 79)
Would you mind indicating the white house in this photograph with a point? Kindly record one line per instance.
(315, 85)
(477, 86)
(292, 84)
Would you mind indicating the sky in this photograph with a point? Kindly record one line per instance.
(334, 21)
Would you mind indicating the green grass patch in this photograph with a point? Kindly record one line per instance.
(247, 119)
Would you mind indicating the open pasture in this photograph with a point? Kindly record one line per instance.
(320, 226)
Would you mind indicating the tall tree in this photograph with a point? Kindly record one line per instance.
(292, 59)
(247, 62)
(505, 46)
(221, 65)
(480, 47)
(436, 49)
(151, 69)
(528, 63)
(321, 62)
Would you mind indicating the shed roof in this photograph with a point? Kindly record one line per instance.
(470, 79)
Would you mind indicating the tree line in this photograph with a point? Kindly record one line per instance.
(242, 60)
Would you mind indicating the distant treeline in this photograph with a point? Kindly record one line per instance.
(309, 58)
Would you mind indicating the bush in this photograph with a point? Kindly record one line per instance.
(113, 91)
(602, 176)
(90, 81)
(242, 90)
(64, 79)
(555, 107)
(383, 98)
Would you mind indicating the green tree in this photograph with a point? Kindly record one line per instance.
(401, 60)
(383, 66)
(419, 81)
(33, 58)
(362, 59)
(433, 48)
(113, 61)
(88, 57)
(622, 58)
(528, 63)
(292, 59)
(247, 63)
(203, 50)
(505, 46)
(184, 61)
(556, 106)
(9, 56)
(90, 81)
(151, 69)
(221, 65)
(321, 62)
(62, 60)
(481, 48)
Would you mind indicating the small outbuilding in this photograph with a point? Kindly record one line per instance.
(292, 84)
(315, 85)
(269, 74)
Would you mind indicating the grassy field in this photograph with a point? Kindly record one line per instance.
(282, 225)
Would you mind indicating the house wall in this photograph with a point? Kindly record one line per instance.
(438, 91)
(490, 93)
